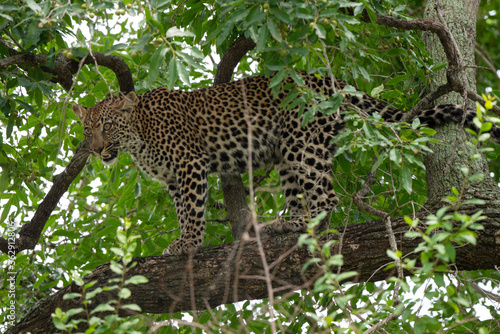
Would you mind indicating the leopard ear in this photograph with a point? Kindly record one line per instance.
(80, 111)
(129, 102)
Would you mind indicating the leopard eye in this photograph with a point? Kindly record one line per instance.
(107, 126)
(87, 130)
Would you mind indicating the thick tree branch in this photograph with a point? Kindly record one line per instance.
(217, 279)
(231, 58)
(30, 232)
(65, 68)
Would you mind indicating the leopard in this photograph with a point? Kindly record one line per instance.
(180, 137)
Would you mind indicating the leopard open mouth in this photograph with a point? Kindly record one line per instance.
(109, 159)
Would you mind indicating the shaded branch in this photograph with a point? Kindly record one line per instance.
(30, 232)
(455, 63)
(231, 58)
(218, 278)
(63, 72)
(65, 68)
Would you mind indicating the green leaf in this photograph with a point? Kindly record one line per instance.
(416, 123)
(320, 31)
(377, 90)
(176, 32)
(138, 190)
(74, 311)
(255, 17)
(133, 307)
(152, 22)
(225, 30)
(397, 79)
(172, 73)
(486, 127)
(450, 252)
(58, 323)
(34, 6)
(40, 280)
(124, 293)
(395, 156)
(262, 38)
(183, 72)
(281, 15)
(156, 62)
(336, 100)
(93, 293)
(496, 93)
(115, 267)
(121, 236)
(412, 234)
(278, 78)
(406, 179)
(474, 201)
(273, 28)
(71, 295)
(102, 308)
(136, 279)
(299, 80)
(379, 161)
(396, 256)
(484, 137)
(238, 16)
(439, 66)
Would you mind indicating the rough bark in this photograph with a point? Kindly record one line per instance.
(213, 277)
(445, 166)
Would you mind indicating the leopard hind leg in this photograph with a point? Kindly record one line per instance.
(305, 173)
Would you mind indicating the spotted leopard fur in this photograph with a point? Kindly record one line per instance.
(180, 137)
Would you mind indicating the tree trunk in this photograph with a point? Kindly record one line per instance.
(445, 166)
(227, 274)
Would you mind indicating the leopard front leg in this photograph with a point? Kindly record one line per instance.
(192, 181)
(175, 192)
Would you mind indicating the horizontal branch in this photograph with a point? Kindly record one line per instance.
(65, 68)
(226, 274)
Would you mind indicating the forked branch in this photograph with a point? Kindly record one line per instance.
(62, 72)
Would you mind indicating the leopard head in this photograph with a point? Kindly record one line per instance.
(106, 125)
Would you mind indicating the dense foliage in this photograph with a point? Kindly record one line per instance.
(178, 44)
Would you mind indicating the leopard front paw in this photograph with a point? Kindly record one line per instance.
(180, 246)
(282, 226)
(276, 226)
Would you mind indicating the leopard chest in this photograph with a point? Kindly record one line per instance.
(154, 162)
(158, 150)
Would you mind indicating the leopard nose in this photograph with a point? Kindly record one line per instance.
(98, 149)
